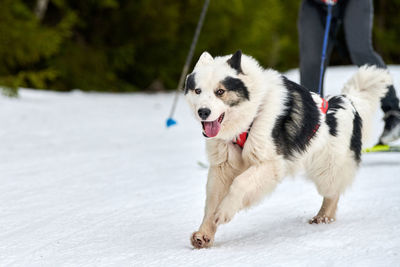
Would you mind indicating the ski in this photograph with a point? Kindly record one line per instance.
(382, 148)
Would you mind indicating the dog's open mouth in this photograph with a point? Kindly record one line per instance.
(211, 128)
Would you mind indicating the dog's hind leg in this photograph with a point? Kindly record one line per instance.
(331, 176)
(327, 213)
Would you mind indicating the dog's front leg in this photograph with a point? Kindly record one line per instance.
(248, 188)
(219, 179)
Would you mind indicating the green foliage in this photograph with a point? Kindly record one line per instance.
(26, 45)
(387, 30)
(124, 45)
(264, 29)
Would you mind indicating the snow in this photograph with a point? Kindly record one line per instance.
(90, 179)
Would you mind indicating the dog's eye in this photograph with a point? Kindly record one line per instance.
(220, 92)
(197, 91)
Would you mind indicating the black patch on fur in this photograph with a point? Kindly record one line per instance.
(294, 129)
(334, 104)
(235, 61)
(356, 143)
(233, 102)
(236, 85)
(190, 84)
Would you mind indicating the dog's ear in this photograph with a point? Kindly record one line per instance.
(204, 59)
(235, 61)
(190, 83)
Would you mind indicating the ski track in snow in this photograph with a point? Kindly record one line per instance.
(90, 179)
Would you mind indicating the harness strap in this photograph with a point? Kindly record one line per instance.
(324, 108)
(324, 105)
(241, 139)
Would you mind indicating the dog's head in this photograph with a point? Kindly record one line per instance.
(218, 93)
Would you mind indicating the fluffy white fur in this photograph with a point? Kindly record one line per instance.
(237, 177)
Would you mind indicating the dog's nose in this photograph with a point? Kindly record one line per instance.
(204, 113)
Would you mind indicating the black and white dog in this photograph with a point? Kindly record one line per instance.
(261, 127)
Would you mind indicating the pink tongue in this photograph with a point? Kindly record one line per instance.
(211, 128)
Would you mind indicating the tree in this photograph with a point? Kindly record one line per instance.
(124, 45)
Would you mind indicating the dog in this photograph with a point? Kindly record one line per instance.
(261, 127)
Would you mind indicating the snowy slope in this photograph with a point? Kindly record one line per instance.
(97, 180)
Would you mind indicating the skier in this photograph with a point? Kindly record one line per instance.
(356, 16)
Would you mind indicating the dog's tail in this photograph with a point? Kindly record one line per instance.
(365, 89)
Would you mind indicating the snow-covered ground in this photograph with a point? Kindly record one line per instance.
(97, 180)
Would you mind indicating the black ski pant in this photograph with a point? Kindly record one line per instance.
(356, 16)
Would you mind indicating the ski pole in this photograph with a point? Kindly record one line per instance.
(170, 121)
(329, 3)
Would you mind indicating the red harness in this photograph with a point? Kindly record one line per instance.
(241, 139)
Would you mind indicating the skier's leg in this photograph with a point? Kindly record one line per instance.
(311, 34)
(358, 21)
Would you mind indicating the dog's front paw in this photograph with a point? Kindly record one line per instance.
(321, 219)
(225, 212)
(201, 240)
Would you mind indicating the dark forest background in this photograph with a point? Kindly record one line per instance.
(131, 45)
